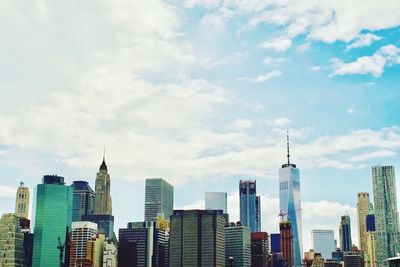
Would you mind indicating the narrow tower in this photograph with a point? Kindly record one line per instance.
(102, 198)
(22, 201)
(290, 203)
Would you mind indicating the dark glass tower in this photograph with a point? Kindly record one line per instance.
(83, 200)
(345, 233)
(250, 205)
(159, 198)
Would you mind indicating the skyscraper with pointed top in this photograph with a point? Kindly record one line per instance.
(22, 201)
(102, 198)
(290, 203)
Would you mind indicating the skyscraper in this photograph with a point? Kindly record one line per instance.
(259, 249)
(81, 233)
(345, 233)
(285, 228)
(386, 215)
(216, 201)
(159, 198)
(22, 201)
(102, 199)
(363, 206)
(197, 238)
(11, 241)
(83, 200)
(323, 242)
(250, 206)
(53, 217)
(290, 204)
(370, 251)
(238, 245)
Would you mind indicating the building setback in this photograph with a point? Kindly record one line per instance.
(197, 238)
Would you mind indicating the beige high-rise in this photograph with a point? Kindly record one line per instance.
(22, 201)
(370, 252)
(102, 197)
(363, 205)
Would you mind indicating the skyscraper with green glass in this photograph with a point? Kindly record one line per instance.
(53, 217)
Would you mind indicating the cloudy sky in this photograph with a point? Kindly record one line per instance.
(201, 92)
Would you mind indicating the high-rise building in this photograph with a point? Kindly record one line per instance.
(363, 206)
(53, 217)
(94, 250)
(345, 233)
(159, 198)
(353, 259)
(275, 243)
(22, 201)
(216, 201)
(386, 214)
(238, 245)
(370, 249)
(11, 241)
(250, 206)
(285, 228)
(197, 238)
(290, 204)
(136, 245)
(259, 249)
(110, 254)
(105, 223)
(102, 198)
(83, 200)
(323, 242)
(81, 233)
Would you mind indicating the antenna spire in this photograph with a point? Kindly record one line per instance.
(104, 153)
(287, 143)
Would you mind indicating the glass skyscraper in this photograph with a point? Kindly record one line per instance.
(290, 204)
(53, 217)
(83, 200)
(250, 206)
(159, 198)
(323, 242)
(216, 201)
(345, 233)
(386, 214)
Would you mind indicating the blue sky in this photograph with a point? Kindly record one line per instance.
(201, 92)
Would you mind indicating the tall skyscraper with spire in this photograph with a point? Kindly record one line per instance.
(102, 198)
(22, 201)
(345, 233)
(290, 204)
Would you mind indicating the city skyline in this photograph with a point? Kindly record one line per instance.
(201, 93)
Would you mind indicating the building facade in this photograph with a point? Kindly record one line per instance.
(345, 233)
(259, 249)
(94, 250)
(216, 201)
(12, 251)
(22, 201)
(286, 235)
(363, 207)
(105, 223)
(159, 198)
(110, 254)
(52, 221)
(250, 206)
(102, 198)
(386, 214)
(238, 245)
(83, 200)
(197, 238)
(81, 233)
(290, 204)
(323, 242)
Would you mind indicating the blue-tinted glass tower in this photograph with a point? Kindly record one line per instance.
(250, 206)
(345, 233)
(290, 204)
(83, 200)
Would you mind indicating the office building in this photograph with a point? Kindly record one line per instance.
(216, 201)
(345, 233)
(12, 251)
(318, 260)
(105, 223)
(110, 254)
(370, 251)
(290, 204)
(83, 200)
(102, 197)
(81, 233)
(53, 217)
(94, 250)
(386, 214)
(22, 201)
(332, 263)
(286, 234)
(250, 206)
(275, 243)
(197, 238)
(353, 259)
(259, 249)
(238, 245)
(363, 207)
(323, 242)
(159, 198)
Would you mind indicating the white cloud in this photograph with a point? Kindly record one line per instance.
(383, 153)
(363, 40)
(213, 23)
(273, 61)
(7, 191)
(315, 68)
(241, 124)
(279, 44)
(262, 78)
(304, 47)
(282, 121)
(374, 65)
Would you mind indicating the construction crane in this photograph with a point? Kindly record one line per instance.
(281, 214)
(60, 247)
